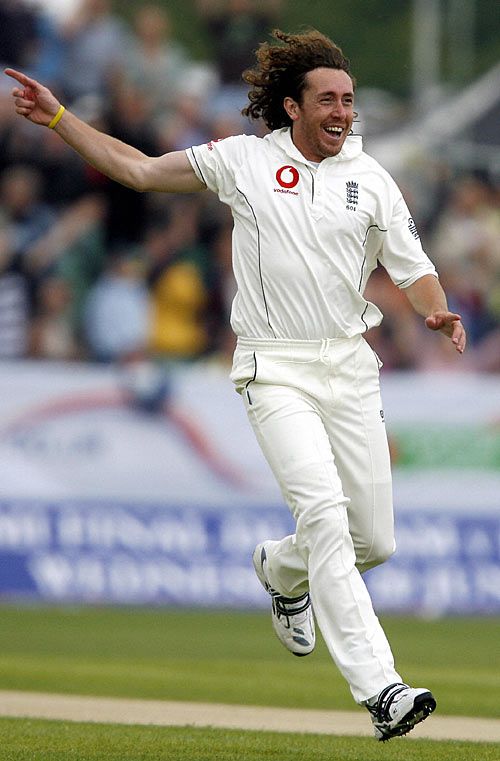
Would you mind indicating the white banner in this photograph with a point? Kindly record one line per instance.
(80, 431)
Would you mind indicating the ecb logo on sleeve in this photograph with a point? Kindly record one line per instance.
(287, 177)
(413, 228)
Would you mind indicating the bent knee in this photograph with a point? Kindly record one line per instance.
(378, 552)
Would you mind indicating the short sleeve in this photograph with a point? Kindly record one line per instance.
(402, 254)
(216, 164)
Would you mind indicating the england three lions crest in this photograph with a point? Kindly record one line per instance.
(352, 195)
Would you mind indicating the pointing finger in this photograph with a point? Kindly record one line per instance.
(22, 79)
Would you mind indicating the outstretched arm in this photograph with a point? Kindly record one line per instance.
(428, 299)
(171, 172)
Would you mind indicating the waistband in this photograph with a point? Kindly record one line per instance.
(290, 343)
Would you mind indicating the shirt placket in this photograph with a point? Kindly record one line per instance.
(318, 200)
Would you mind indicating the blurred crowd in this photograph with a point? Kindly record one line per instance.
(90, 270)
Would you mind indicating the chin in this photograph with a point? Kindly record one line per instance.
(328, 154)
(327, 151)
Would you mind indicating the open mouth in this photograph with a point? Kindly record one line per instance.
(334, 132)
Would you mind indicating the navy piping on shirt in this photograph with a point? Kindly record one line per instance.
(259, 260)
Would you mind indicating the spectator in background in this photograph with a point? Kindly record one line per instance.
(188, 123)
(155, 62)
(466, 248)
(186, 310)
(23, 220)
(24, 216)
(236, 28)
(46, 263)
(158, 299)
(71, 249)
(95, 44)
(116, 312)
(52, 333)
(129, 120)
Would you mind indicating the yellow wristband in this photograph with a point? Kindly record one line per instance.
(57, 117)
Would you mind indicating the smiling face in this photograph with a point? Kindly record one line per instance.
(322, 121)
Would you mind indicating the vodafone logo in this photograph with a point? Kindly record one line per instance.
(287, 177)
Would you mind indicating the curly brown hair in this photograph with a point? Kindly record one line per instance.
(281, 72)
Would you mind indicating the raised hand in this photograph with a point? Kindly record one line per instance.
(33, 101)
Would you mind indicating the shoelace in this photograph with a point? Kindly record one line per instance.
(280, 605)
(381, 709)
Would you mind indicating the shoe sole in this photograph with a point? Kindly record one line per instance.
(423, 706)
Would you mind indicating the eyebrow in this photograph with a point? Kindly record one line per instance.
(349, 93)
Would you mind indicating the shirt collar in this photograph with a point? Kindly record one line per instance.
(352, 147)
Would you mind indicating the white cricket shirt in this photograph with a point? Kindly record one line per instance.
(306, 238)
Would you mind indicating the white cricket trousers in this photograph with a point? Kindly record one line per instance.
(316, 411)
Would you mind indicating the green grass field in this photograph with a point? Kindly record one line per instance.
(23, 740)
(230, 658)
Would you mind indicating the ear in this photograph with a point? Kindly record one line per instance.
(291, 107)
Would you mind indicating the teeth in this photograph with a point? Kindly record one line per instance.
(334, 130)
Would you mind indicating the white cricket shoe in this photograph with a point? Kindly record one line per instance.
(398, 708)
(292, 618)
